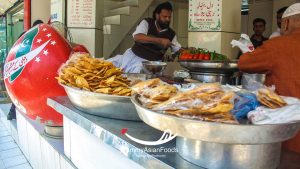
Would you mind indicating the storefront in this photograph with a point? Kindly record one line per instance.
(11, 27)
(14, 24)
(2, 39)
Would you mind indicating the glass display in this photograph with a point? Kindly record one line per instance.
(3, 51)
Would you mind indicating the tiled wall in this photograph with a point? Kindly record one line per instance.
(38, 149)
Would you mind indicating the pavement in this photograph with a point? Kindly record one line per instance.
(11, 156)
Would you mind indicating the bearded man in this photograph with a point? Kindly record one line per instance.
(152, 38)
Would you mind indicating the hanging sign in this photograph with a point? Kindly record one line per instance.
(81, 13)
(205, 15)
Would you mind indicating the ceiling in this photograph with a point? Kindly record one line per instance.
(5, 4)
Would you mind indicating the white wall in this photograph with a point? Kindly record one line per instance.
(89, 36)
(180, 22)
(41, 152)
(40, 9)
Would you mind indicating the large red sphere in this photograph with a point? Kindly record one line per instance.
(30, 70)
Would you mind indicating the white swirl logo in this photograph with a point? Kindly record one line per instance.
(166, 137)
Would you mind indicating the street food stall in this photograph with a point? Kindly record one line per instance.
(146, 120)
(199, 115)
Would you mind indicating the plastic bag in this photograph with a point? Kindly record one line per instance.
(286, 114)
(178, 102)
(205, 98)
(244, 43)
(253, 82)
(140, 87)
(160, 93)
(244, 102)
(148, 103)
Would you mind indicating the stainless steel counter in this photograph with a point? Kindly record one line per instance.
(109, 131)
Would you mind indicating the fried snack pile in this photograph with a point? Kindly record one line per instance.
(154, 91)
(94, 75)
(270, 99)
(207, 102)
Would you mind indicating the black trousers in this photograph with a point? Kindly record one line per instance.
(12, 113)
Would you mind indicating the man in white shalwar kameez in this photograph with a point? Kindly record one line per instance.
(152, 37)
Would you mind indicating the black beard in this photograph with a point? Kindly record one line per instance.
(163, 25)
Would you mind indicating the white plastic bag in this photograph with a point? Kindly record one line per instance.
(244, 43)
(253, 82)
(286, 114)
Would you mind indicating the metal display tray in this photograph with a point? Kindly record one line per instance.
(211, 66)
(216, 132)
(104, 105)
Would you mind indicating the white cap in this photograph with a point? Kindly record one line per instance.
(292, 10)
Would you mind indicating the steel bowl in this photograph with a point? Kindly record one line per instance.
(216, 132)
(135, 76)
(104, 105)
(207, 66)
(212, 77)
(154, 67)
(54, 131)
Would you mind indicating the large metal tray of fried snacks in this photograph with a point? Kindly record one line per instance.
(214, 131)
(104, 105)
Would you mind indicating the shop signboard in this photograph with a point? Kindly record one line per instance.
(205, 15)
(81, 13)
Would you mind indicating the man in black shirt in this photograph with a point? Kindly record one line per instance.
(259, 27)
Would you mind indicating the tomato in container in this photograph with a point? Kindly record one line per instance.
(207, 56)
(201, 56)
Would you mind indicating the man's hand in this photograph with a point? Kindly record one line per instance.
(165, 42)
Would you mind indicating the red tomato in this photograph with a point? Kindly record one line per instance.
(195, 56)
(207, 56)
(201, 56)
(184, 56)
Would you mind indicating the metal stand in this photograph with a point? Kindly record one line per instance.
(54, 131)
(229, 156)
(215, 77)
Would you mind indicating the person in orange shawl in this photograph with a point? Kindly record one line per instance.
(279, 59)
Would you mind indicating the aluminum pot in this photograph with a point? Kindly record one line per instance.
(231, 79)
(253, 81)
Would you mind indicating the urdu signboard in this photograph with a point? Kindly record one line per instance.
(205, 15)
